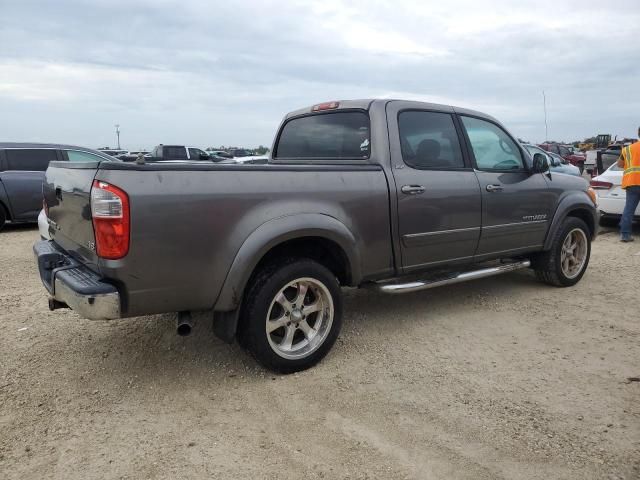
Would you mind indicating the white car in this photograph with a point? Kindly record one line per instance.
(611, 196)
(43, 226)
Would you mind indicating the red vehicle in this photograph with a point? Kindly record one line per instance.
(567, 153)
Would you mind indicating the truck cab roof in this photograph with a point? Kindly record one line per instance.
(367, 104)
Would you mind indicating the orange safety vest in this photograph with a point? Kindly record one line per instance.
(631, 156)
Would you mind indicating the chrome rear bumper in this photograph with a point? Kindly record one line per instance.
(73, 285)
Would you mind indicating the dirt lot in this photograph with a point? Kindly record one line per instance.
(501, 378)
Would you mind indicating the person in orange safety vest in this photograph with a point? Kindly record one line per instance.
(630, 161)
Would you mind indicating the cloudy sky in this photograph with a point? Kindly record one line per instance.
(225, 72)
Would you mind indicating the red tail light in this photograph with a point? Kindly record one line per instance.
(600, 185)
(110, 213)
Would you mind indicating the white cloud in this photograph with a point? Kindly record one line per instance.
(210, 72)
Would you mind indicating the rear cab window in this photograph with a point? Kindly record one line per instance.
(179, 153)
(335, 136)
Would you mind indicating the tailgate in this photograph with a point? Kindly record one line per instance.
(67, 192)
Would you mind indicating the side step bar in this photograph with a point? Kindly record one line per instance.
(456, 278)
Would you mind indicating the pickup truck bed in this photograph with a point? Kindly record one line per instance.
(398, 195)
(182, 245)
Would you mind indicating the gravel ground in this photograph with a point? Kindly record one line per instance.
(499, 378)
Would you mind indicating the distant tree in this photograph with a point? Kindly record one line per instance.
(262, 150)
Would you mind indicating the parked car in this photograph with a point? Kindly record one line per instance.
(112, 152)
(576, 159)
(560, 165)
(557, 164)
(397, 196)
(22, 167)
(611, 195)
(131, 156)
(240, 152)
(257, 159)
(610, 156)
(177, 152)
(219, 155)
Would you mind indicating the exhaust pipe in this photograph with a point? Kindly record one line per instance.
(185, 324)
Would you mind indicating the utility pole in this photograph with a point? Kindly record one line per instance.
(546, 128)
(118, 135)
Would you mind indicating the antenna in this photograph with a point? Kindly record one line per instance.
(546, 128)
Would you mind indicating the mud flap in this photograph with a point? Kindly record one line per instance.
(225, 325)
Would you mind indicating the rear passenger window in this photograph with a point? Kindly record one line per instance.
(429, 140)
(331, 136)
(78, 156)
(36, 160)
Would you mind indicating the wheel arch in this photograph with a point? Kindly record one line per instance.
(317, 236)
(579, 205)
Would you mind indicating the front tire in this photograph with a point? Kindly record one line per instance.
(291, 315)
(567, 260)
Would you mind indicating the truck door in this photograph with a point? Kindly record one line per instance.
(439, 199)
(516, 204)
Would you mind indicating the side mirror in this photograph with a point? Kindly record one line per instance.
(204, 156)
(540, 164)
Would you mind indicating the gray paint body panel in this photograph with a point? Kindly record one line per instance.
(183, 245)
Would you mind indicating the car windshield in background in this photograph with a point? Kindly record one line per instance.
(333, 136)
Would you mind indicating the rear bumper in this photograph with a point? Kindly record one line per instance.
(74, 285)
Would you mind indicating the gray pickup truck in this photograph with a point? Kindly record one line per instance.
(393, 195)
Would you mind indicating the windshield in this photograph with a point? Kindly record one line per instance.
(532, 150)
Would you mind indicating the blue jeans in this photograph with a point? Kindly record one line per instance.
(633, 198)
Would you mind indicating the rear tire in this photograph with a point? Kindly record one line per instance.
(291, 315)
(567, 260)
(3, 217)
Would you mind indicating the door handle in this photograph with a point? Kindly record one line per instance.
(412, 189)
(494, 188)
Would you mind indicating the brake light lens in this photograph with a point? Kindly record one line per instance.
(325, 106)
(600, 185)
(110, 214)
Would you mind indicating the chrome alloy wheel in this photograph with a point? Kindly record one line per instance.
(299, 318)
(574, 253)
